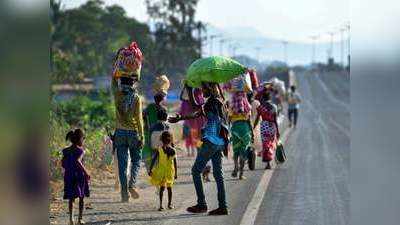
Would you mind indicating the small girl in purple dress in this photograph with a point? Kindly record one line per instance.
(76, 177)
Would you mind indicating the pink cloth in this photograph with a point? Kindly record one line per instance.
(187, 109)
(239, 103)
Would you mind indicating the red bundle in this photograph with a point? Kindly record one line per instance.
(128, 61)
(254, 79)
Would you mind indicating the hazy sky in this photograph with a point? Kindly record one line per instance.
(293, 20)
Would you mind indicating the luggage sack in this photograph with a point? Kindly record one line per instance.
(251, 158)
(280, 155)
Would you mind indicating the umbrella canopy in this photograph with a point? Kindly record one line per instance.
(217, 69)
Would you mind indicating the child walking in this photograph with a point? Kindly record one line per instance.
(76, 177)
(165, 171)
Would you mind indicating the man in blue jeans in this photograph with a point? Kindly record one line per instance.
(215, 140)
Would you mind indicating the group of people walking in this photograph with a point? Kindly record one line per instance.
(211, 125)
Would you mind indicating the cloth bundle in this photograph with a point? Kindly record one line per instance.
(254, 79)
(128, 62)
(279, 85)
(239, 103)
(241, 83)
(265, 86)
(161, 85)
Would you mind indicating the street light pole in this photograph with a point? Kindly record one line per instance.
(330, 52)
(234, 48)
(285, 43)
(221, 43)
(212, 37)
(257, 49)
(347, 26)
(342, 46)
(313, 38)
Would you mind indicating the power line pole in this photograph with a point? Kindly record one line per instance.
(285, 56)
(342, 46)
(211, 42)
(257, 49)
(221, 43)
(347, 26)
(234, 48)
(313, 38)
(330, 51)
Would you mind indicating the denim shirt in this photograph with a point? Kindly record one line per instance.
(211, 130)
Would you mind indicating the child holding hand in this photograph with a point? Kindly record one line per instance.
(163, 170)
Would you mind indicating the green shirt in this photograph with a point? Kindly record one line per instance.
(132, 118)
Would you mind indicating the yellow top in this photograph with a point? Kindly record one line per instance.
(131, 119)
(163, 173)
(238, 116)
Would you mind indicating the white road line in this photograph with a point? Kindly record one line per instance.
(249, 216)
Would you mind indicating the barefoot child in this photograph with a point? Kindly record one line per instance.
(76, 177)
(165, 171)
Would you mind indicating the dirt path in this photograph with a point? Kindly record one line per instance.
(105, 199)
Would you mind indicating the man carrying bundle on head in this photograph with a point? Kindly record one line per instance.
(128, 139)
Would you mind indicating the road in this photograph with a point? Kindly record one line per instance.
(313, 187)
(310, 189)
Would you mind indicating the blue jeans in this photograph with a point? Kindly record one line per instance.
(214, 152)
(126, 141)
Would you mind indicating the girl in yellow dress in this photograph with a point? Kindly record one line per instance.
(163, 170)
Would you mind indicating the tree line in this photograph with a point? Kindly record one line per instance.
(84, 39)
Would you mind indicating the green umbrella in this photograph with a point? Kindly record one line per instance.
(217, 69)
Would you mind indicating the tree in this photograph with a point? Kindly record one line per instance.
(84, 39)
(175, 29)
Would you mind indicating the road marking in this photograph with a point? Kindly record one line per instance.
(249, 216)
(330, 94)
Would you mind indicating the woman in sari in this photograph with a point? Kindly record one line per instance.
(269, 129)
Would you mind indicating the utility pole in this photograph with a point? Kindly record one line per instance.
(234, 48)
(285, 59)
(313, 38)
(342, 30)
(211, 42)
(221, 43)
(347, 26)
(257, 49)
(330, 51)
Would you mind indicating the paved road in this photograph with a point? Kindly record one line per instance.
(310, 189)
